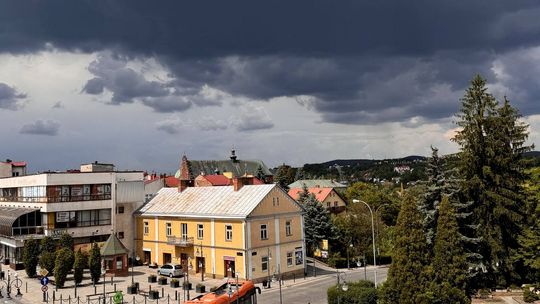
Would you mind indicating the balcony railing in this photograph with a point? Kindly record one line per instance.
(180, 241)
(55, 199)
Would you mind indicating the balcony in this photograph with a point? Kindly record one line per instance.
(180, 241)
(55, 199)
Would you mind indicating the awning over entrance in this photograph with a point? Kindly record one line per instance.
(8, 216)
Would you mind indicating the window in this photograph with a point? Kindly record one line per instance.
(288, 228)
(335, 204)
(200, 231)
(168, 229)
(328, 204)
(120, 209)
(299, 257)
(184, 231)
(146, 228)
(228, 233)
(289, 259)
(264, 263)
(264, 232)
(121, 234)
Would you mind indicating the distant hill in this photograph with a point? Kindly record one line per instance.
(368, 162)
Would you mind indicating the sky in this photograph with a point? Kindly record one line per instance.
(140, 83)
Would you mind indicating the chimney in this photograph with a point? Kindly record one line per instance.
(184, 184)
(239, 182)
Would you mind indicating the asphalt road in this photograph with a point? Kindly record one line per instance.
(314, 291)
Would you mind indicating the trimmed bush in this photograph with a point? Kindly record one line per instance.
(66, 241)
(46, 260)
(62, 265)
(361, 292)
(30, 256)
(78, 266)
(94, 263)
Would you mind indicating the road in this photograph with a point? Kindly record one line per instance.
(313, 291)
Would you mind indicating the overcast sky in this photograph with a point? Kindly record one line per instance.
(139, 83)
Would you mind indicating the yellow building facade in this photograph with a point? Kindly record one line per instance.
(254, 231)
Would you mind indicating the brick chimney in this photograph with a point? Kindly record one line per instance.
(186, 175)
(239, 182)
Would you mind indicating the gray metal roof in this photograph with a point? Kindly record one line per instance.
(8, 216)
(113, 246)
(316, 183)
(209, 202)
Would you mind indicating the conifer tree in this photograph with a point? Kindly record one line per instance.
(66, 241)
(94, 263)
(31, 256)
(491, 143)
(78, 266)
(317, 223)
(408, 279)
(62, 265)
(440, 183)
(260, 174)
(48, 254)
(449, 262)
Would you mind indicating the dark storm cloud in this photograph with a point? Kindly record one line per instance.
(10, 99)
(361, 61)
(41, 127)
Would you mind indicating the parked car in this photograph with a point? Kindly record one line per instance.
(170, 270)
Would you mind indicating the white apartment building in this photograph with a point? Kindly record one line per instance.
(89, 204)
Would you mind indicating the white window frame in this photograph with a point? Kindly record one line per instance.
(200, 231)
(288, 231)
(228, 232)
(290, 259)
(168, 228)
(184, 230)
(264, 232)
(263, 263)
(146, 228)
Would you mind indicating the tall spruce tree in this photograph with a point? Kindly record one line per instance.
(318, 225)
(94, 263)
(491, 143)
(440, 182)
(31, 256)
(449, 281)
(408, 277)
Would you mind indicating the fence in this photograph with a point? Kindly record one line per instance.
(110, 299)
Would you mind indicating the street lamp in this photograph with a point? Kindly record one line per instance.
(343, 285)
(133, 268)
(103, 272)
(377, 226)
(269, 258)
(9, 284)
(373, 236)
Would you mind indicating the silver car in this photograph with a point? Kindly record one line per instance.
(170, 270)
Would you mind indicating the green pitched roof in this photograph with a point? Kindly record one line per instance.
(113, 246)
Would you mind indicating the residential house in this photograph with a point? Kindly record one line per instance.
(328, 197)
(318, 183)
(253, 230)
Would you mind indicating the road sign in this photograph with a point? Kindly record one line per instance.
(44, 281)
(44, 288)
(43, 272)
(118, 297)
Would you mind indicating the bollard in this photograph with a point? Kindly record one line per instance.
(95, 289)
(53, 296)
(78, 300)
(60, 298)
(149, 287)
(145, 300)
(168, 299)
(294, 278)
(69, 299)
(176, 295)
(114, 287)
(111, 280)
(26, 283)
(162, 292)
(75, 290)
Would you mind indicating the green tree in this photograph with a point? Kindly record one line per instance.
(361, 292)
(317, 223)
(78, 266)
(408, 277)
(48, 254)
(62, 265)
(31, 256)
(440, 182)
(94, 263)
(491, 143)
(66, 241)
(260, 174)
(449, 280)
(284, 176)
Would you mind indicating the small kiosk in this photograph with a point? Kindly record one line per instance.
(115, 257)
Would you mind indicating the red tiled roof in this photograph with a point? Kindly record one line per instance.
(320, 193)
(171, 181)
(257, 181)
(218, 180)
(19, 164)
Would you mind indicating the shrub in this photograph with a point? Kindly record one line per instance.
(47, 260)
(529, 295)
(66, 241)
(174, 280)
(62, 265)
(361, 292)
(78, 266)
(94, 263)
(30, 256)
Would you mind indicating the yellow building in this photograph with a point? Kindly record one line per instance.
(253, 230)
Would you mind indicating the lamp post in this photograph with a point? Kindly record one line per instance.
(343, 285)
(268, 267)
(377, 226)
(237, 291)
(9, 284)
(103, 272)
(348, 249)
(373, 236)
(189, 269)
